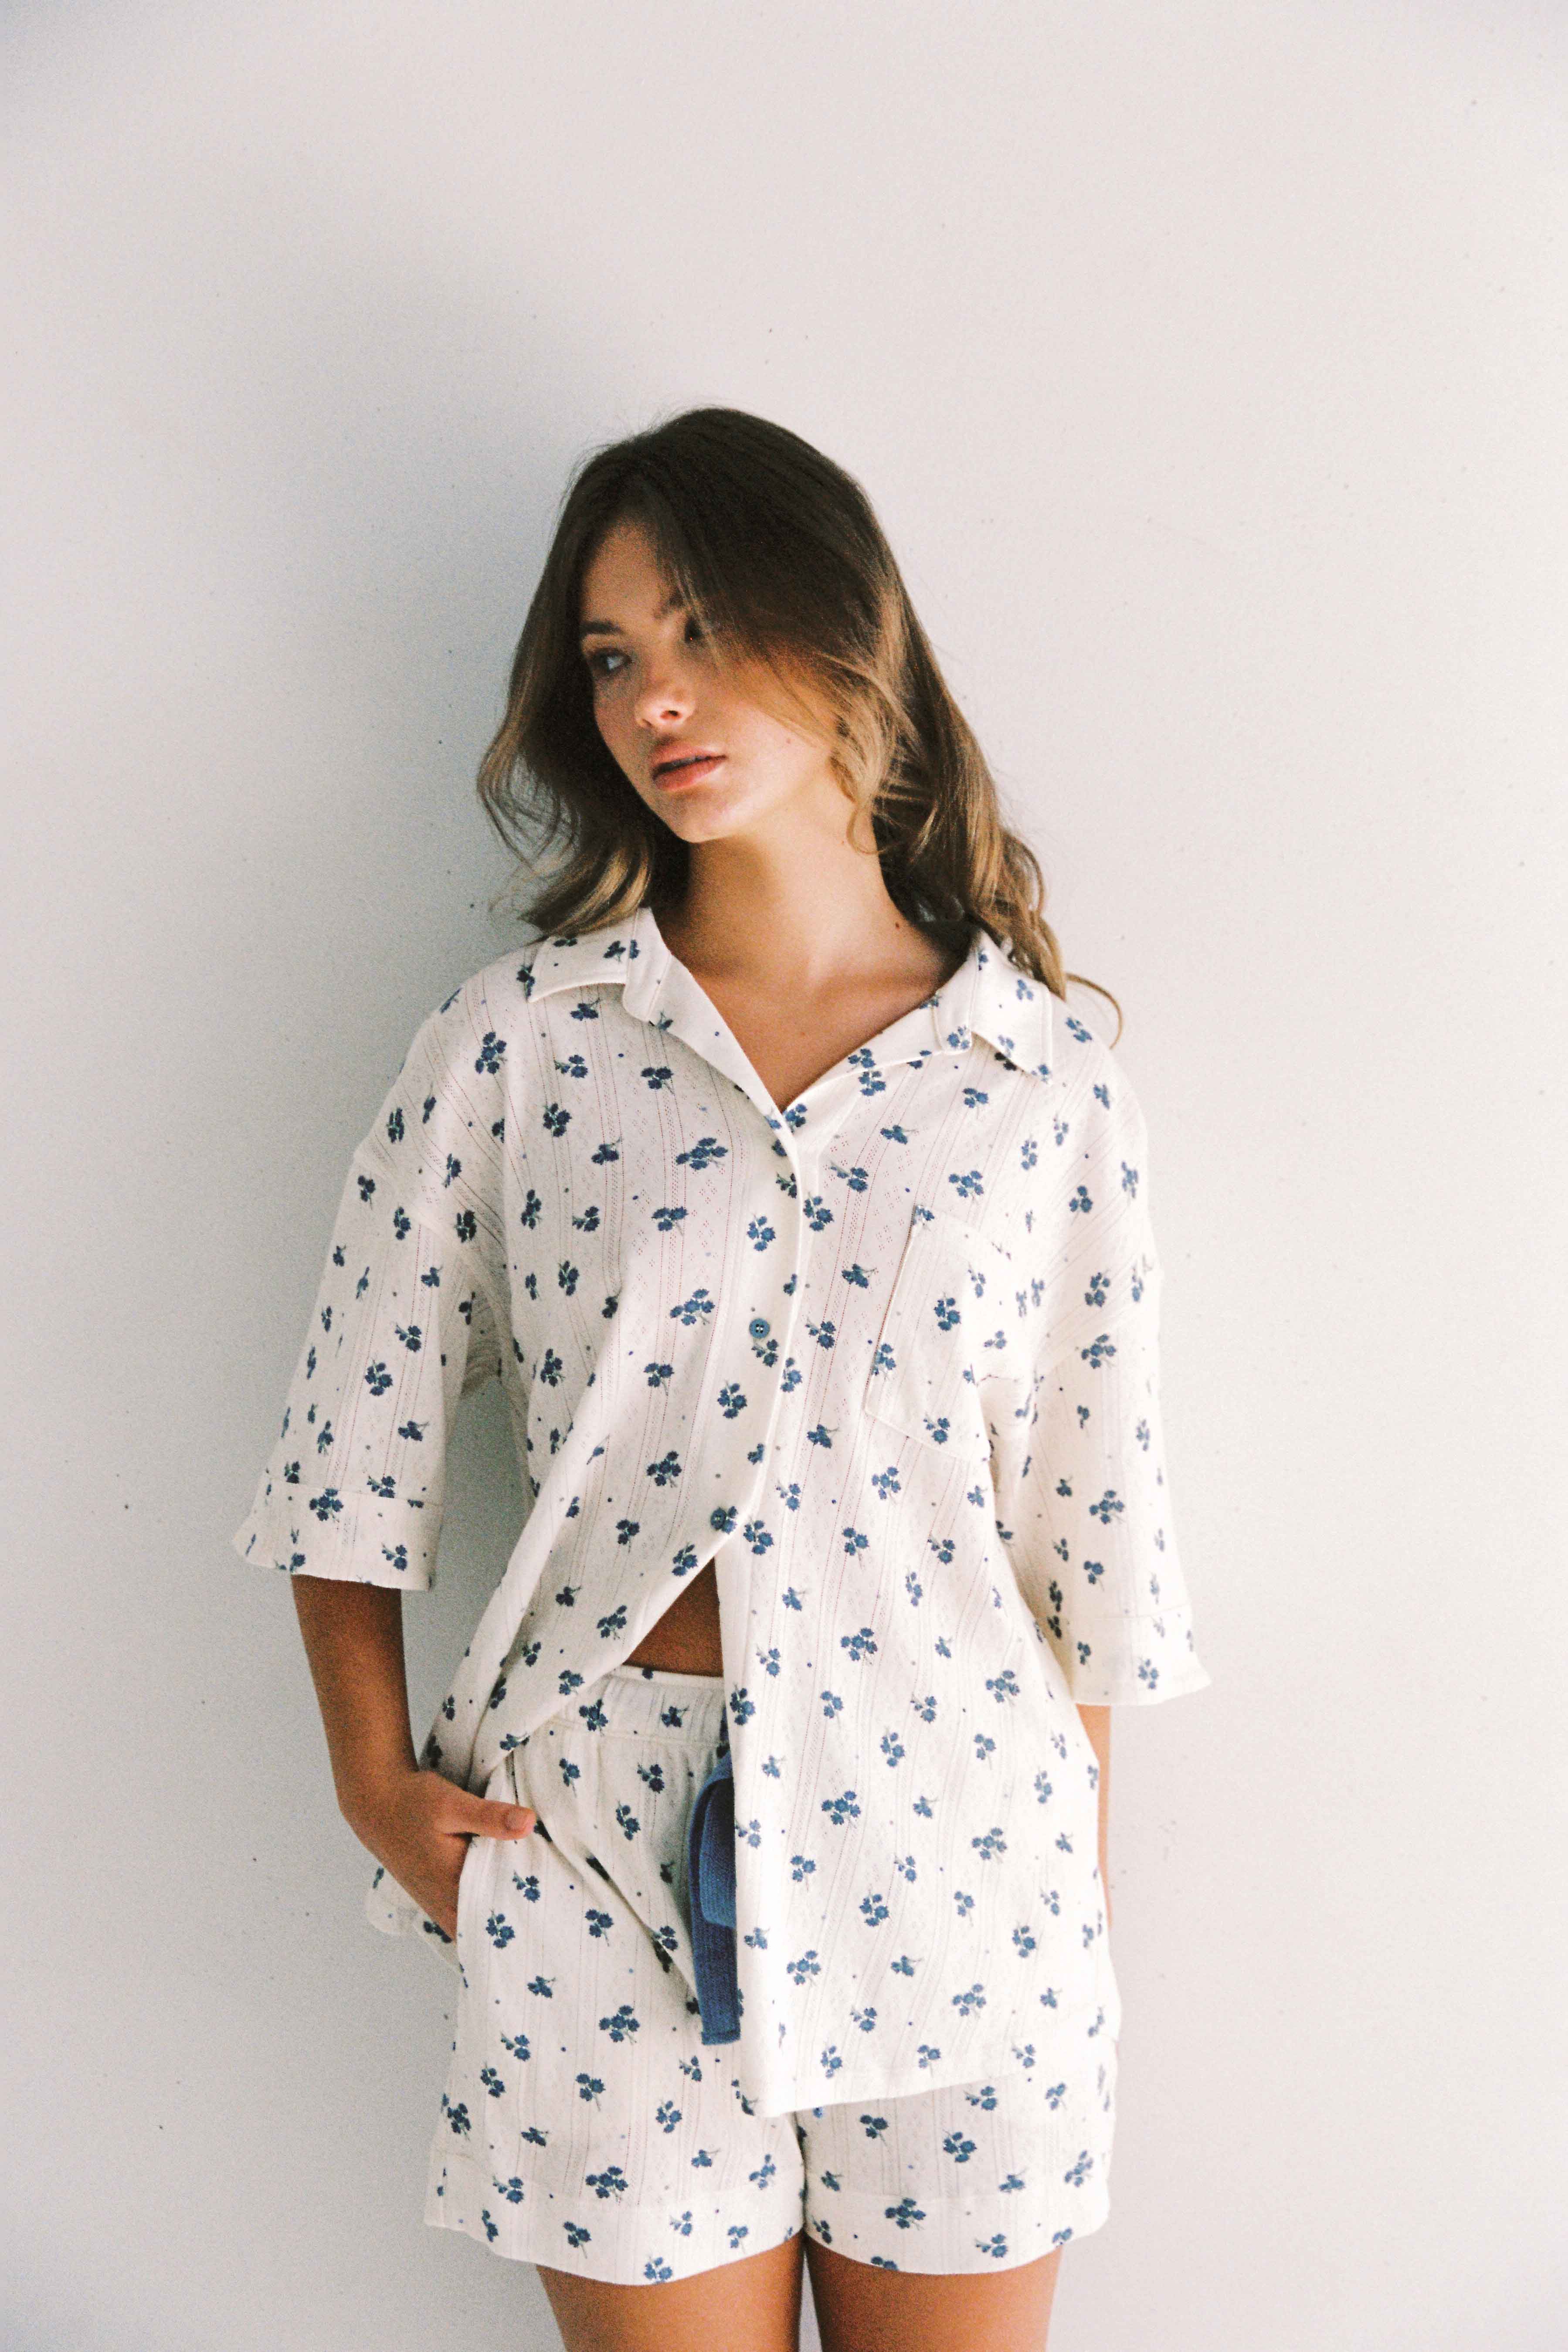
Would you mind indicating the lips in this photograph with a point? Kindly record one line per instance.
(676, 764)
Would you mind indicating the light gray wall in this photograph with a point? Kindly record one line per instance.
(1208, 367)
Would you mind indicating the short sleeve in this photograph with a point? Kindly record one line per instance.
(1084, 1504)
(405, 1323)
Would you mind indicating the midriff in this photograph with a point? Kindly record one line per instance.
(685, 1640)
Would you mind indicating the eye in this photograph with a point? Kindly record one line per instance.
(599, 662)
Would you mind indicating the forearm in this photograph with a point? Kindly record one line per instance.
(1096, 1721)
(353, 1639)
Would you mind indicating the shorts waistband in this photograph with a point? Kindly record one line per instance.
(660, 1704)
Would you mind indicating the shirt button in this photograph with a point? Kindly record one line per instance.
(759, 1326)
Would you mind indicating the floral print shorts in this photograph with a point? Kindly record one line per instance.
(590, 2119)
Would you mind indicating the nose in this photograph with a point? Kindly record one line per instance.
(667, 691)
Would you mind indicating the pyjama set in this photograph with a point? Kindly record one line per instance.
(592, 2120)
(819, 1942)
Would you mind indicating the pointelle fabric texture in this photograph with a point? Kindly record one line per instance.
(888, 1358)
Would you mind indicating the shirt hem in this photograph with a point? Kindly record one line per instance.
(966, 2066)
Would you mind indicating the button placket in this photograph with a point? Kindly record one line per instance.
(776, 1320)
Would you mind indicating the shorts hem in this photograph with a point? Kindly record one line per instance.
(638, 2245)
(949, 2237)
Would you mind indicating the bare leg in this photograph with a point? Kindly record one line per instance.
(861, 2308)
(754, 2303)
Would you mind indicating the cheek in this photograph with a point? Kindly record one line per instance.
(610, 722)
(618, 733)
(786, 755)
(785, 737)
(765, 738)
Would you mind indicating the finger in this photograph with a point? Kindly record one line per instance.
(490, 1818)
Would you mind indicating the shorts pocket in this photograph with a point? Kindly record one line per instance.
(953, 1323)
(473, 1878)
(467, 1878)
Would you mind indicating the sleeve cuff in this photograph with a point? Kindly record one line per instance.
(396, 1567)
(1142, 1661)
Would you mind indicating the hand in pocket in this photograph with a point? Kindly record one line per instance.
(418, 1826)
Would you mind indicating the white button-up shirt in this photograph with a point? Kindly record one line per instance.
(886, 1358)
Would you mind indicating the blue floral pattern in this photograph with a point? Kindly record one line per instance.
(887, 1357)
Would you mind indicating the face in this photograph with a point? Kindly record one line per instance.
(680, 724)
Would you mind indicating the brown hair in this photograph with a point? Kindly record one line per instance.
(778, 551)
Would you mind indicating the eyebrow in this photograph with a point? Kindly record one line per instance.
(613, 629)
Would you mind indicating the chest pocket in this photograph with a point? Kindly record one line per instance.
(952, 1324)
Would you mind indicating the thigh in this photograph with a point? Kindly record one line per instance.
(755, 2303)
(862, 2308)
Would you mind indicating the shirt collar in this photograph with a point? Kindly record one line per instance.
(989, 995)
(631, 952)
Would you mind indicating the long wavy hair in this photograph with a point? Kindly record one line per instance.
(777, 551)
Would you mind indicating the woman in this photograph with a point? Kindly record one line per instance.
(807, 1232)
